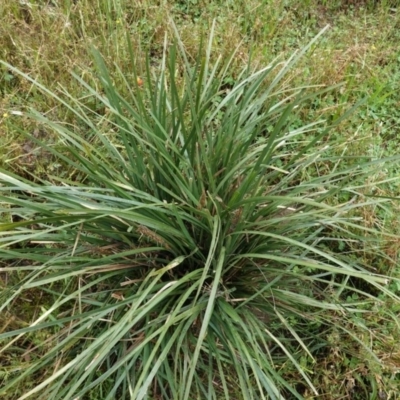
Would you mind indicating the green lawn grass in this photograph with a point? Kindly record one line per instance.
(48, 41)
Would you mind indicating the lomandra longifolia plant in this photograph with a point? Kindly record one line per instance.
(188, 246)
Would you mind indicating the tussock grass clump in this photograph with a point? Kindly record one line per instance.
(199, 243)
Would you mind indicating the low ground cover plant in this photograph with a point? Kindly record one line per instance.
(191, 243)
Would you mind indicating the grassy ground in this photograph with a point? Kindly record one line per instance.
(50, 39)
